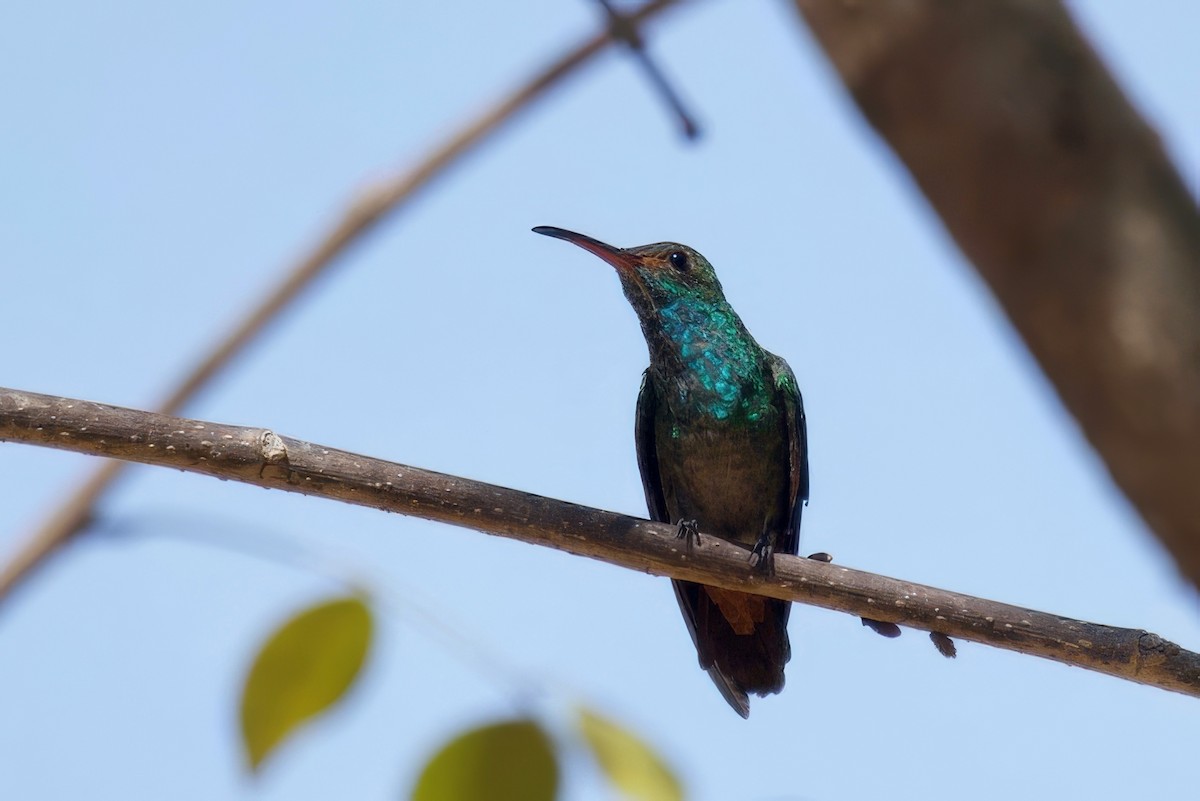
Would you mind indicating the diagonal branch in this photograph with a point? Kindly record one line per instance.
(261, 457)
(362, 215)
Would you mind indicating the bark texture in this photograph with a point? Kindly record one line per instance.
(262, 457)
(1067, 204)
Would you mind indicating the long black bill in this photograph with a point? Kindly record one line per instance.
(617, 257)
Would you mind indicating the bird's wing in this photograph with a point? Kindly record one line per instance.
(647, 453)
(792, 403)
(691, 596)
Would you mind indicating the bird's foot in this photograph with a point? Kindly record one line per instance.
(688, 530)
(821, 556)
(762, 556)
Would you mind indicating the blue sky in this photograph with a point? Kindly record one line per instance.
(163, 165)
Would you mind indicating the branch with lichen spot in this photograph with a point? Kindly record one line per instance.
(261, 457)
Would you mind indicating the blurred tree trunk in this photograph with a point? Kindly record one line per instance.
(1065, 201)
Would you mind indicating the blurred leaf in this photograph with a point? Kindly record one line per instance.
(303, 669)
(630, 764)
(510, 761)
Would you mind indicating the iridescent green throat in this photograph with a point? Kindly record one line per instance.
(719, 371)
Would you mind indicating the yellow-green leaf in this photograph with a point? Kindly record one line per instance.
(629, 763)
(302, 670)
(510, 761)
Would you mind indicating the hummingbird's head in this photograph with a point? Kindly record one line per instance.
(653, 276)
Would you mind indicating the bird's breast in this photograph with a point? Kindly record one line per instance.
(731, 477)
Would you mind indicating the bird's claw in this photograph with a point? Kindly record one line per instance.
(762, 556)
(688, 530)
(821, 556)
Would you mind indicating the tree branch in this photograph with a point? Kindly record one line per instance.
(360, 217)
(1067, 204)
(261, 457)
(624, 29)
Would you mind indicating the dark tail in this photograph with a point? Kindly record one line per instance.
(741, 640)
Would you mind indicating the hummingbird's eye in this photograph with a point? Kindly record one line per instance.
(679, 261)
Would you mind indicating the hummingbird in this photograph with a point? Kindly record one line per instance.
(722, 447)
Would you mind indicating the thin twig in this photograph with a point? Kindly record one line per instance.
(279, 549)
(625, 29)
(362, 215)
(261, 457)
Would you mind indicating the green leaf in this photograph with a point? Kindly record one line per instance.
(510, 761)
(303, 669)
(629, 763)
